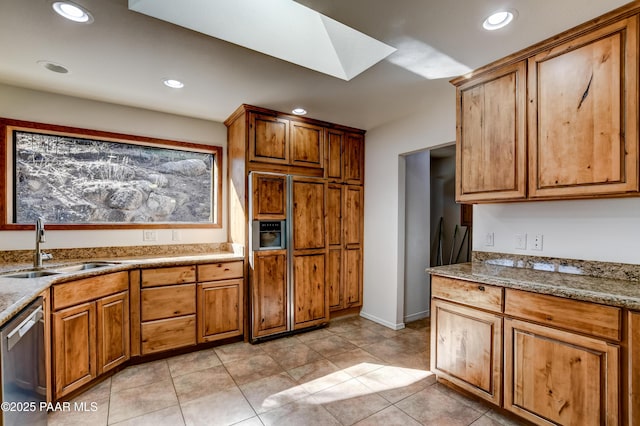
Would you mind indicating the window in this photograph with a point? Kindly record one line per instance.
(77, 178)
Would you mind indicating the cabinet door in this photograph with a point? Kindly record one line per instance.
(268, 139)
(269, 296)
(269, 196)
(335, 155)
(219, 310)
(308, 214)
(352, 276)
(334, 214)
(491, 145)
(74, 343)
(113, 331)
(353, 159)
(311, 296)
(307, 143)
(466, 348)
(334, 278)
(557, 377)
(633, 368)
(353, 215)
(583, 115)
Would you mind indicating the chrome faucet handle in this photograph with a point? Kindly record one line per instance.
(46, 256)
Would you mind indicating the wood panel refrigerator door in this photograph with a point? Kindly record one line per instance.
(309, 252)
(269, 196)
(269, 298)
(583, 114)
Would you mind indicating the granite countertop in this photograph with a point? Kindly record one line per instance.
(608, 291)
(16, 293)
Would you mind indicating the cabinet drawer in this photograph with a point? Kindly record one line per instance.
(168, 301)
(80, 291)
(583, 317)
(168, 276)
(165, 334)
(220, 271)
(469, 293)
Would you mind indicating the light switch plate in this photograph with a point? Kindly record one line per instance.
(521, 241)
(149, 235)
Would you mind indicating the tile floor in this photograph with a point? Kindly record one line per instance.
(352, 372)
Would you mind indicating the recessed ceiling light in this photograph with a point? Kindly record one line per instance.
(299, 111)
(72, 12)
(52, 66)
(498, 20)
(174, 84)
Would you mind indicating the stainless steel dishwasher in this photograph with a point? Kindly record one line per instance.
(24, 386)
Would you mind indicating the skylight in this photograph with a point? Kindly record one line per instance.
(280, 28)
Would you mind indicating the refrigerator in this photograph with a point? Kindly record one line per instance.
(288, 254)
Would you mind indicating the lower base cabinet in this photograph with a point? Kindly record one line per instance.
(220, 310)
(467, 348)
(562, 359)
(556, 377)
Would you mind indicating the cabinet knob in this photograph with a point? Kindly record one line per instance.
(481, 287)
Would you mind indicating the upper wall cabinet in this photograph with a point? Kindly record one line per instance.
(575, 136)
(583, 115)
(345, 157)
(491, 152)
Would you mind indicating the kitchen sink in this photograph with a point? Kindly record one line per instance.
(82, 267)
(31, 274)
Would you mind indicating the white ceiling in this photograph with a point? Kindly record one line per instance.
(123, 56)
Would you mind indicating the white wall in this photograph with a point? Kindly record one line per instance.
(431, 125)
(29, 105)
(605, 230)
(417, 236)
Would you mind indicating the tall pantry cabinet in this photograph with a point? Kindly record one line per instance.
(317, 154)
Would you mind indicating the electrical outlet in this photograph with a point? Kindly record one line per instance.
(488, 239)
(521, 241)
(149, 235)
(175, 235)
(537, 242)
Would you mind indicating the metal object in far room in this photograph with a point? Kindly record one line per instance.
(22, 359)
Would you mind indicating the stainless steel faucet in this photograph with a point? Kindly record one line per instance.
(39, 256)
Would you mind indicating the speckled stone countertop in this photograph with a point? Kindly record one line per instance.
(16, 293)
(609, 291)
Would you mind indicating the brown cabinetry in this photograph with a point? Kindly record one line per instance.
(583, 123)
(577, 95)
(562, 357)
(345, 157)
(491, 133)
(90, 332)
(345, 228)
(269, 296)
(466, 342)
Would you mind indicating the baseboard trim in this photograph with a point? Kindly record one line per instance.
(417, 316)
(380, 321)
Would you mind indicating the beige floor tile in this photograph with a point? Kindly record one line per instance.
(414, 341)
(303, 412)
(362, 336)
(387, 350)
(431, 406)
(504, 419)
(314, 335)
(318, 375)
(253, 421)
(415, 364)
(170, 416)
(194, 361)
(394, 384)
(351, 401)
(475, 403)
(385, 332)
(237, 351)
(141, 374)
(200, 383)
(279, 343)
(420, 325)
(485, 421)
(295, 355)
(221, 408)
(390, 416)
(134, 402)
(344, 326)
(331, 345)
(99, 392)
(254, 368)
(357, 362)
(99, 417)
(272, 392)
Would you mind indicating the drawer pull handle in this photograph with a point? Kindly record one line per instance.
(481, 287)
(549, 318)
